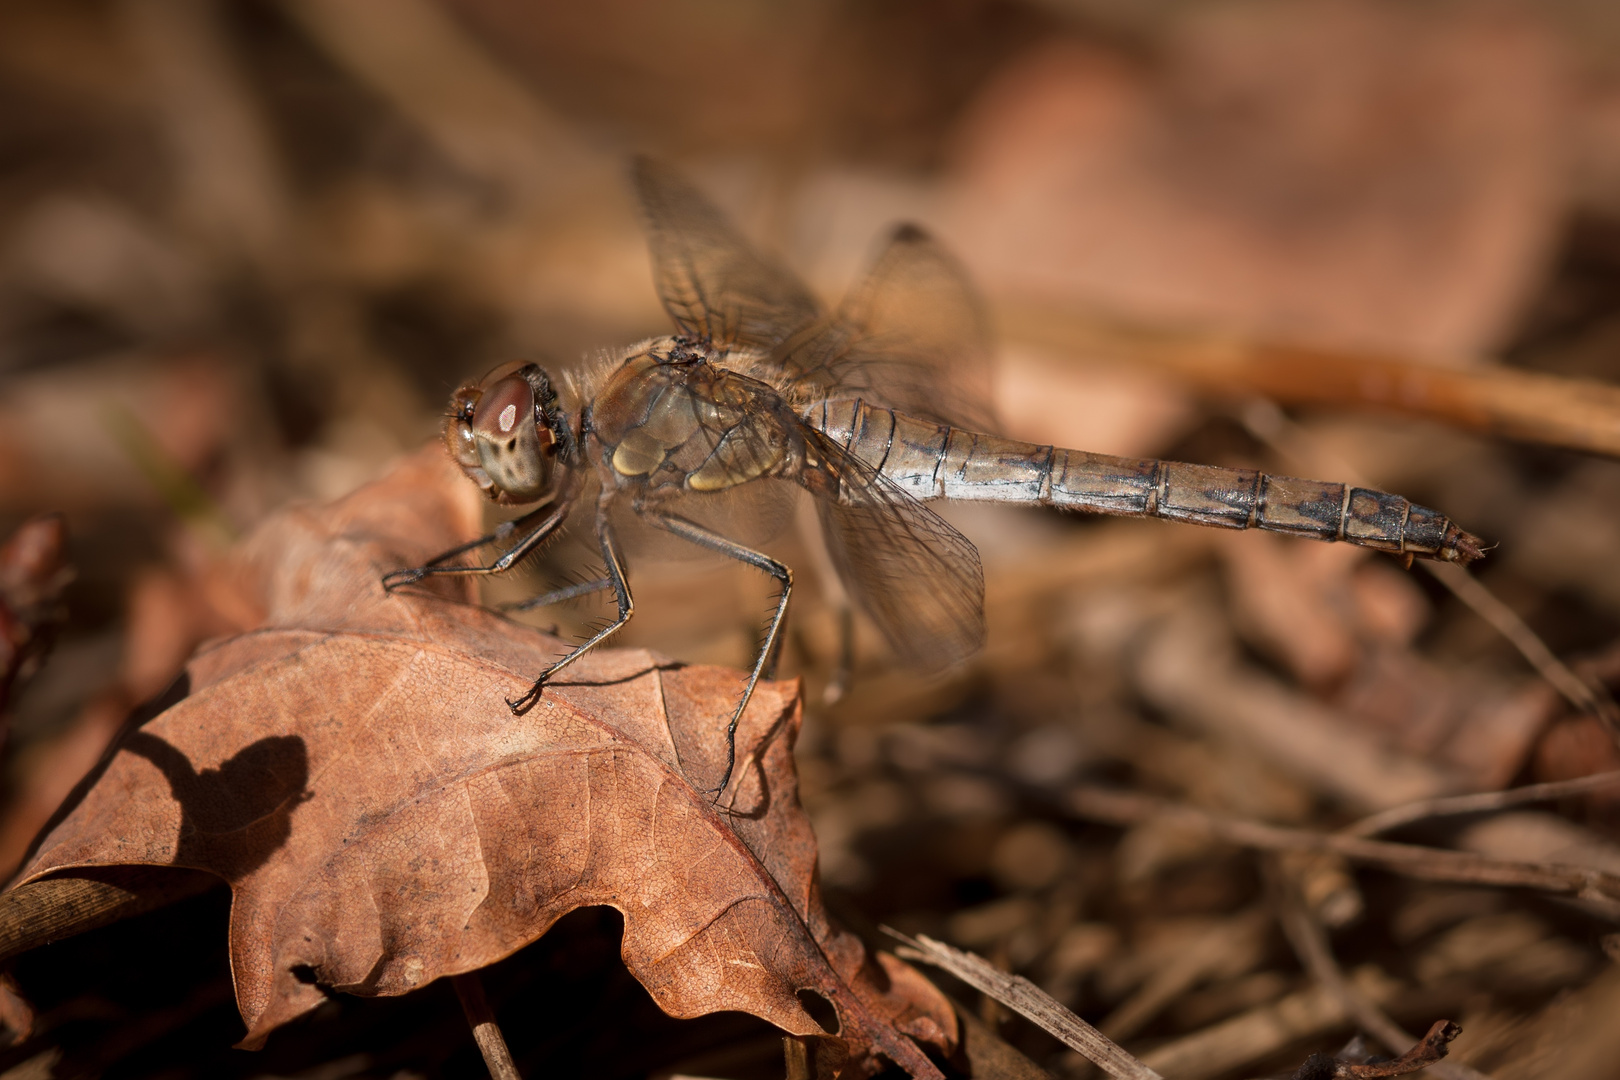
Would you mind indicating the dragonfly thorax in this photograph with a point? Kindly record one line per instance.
(506, 432)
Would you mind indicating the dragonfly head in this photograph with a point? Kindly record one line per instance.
(507, 432)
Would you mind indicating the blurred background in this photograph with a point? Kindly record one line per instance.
(248, 249)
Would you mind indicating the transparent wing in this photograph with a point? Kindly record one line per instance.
(912, 336)
(917, 578)
(712, 282)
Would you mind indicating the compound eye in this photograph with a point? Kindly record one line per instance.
(505, 407)
(507, 441)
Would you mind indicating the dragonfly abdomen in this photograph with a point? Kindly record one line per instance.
(936, 461)
(1247, 499)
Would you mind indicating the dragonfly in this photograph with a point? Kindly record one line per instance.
(875, 409)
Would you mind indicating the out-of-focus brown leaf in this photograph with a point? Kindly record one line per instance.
(352, 769)
(33, 570)
(1577, 746)
(1188, 668)
(1338, 171)
(1292, 601)
(184, 402)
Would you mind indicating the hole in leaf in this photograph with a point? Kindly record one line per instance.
(820, 1009)
(304, 974)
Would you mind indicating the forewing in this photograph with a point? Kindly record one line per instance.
(917, 578)
(712, 282)
(912, 336)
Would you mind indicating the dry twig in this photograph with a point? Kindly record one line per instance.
(1576, 413)
(1189, 669)
(486, 1031)
(1587, 695)
(1261, 1032)
(1412, 860)
(1425, 1054)
(1310, 944)
(517, 141)
(1235, 943)
(1029, 1000)
(1397, 816)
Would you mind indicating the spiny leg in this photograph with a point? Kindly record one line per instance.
(551, 517)
(621, 590)
(703, 538)
(562, 595)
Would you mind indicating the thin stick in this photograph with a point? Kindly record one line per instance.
(1027, 999)
(1582, 414)
(1397, 816)
(1585, 694)
(1310, 944)
(486, 1032)
(1412, 860)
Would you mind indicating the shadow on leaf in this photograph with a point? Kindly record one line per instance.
(233, 817)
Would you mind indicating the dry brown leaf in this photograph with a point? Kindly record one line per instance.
(1334, 171)
(182, 402)
(352, 769)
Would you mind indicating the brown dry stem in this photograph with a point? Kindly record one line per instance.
(485, 1029)
(1310, 944)
(1576, 413)
(1234, 943)
(1426, 1054)
(1261, 1032)
(1587, 695)
(1412, 860)
(1398, 816)
(1028, 1000)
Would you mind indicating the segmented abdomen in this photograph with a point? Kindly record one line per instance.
(934, 461)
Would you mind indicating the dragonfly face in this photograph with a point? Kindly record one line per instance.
(506, 431)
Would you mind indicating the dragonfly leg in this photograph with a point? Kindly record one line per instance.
(620, 585)
(546, 521)
(703, 538)
(561, 596)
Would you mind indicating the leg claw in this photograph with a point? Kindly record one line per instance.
(392, 581)
(527, 701)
